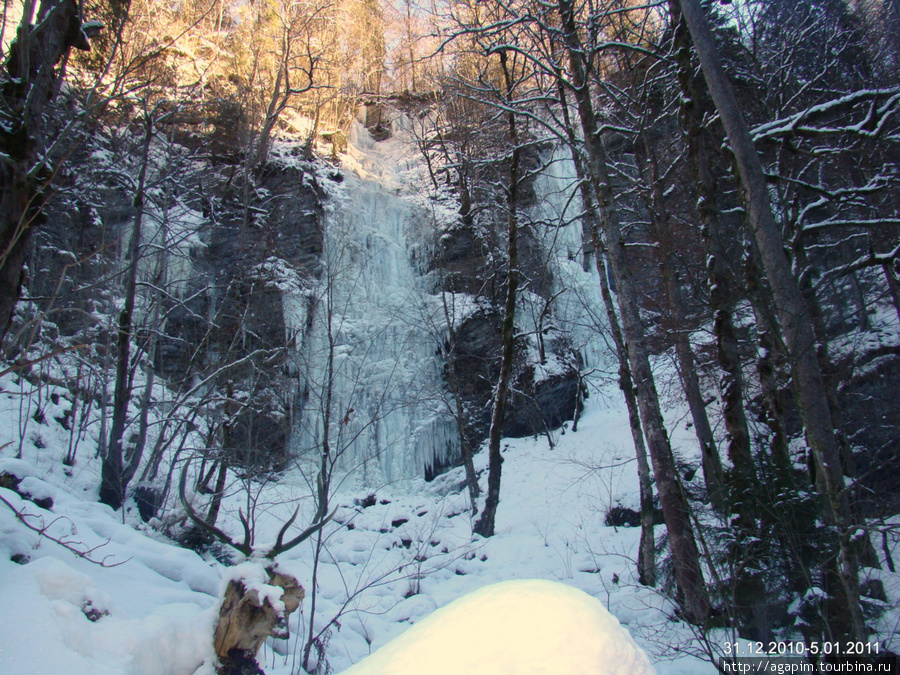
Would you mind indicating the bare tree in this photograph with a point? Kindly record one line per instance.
(794, 317)
(685, 555)
(118, 469)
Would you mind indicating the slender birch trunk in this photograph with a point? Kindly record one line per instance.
(485, 524)
(720, 284)
(593, 248)
(713, 474)
(113, 476)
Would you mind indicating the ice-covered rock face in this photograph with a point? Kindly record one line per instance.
(368, 357)
(524, 627)
(372, 332)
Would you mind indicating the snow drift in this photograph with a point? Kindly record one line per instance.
(514, 627)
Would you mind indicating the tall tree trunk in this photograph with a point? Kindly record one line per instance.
(685, 556)
(771, 362)
(711, 463)
(28, 85)
(647, 548)
(749, 592)
(593, 246)
(459, 412)
(802, 264)
(113, 478)
(792, 310)
(485, 524)
(215, 503)
(699, 145)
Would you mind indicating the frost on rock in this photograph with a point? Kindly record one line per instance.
(526, 626)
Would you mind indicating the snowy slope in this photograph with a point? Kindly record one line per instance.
(156, 606)
(397, 550)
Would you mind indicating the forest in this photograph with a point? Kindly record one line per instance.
(317, 316)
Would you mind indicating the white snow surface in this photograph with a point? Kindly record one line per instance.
(386, 567)
(379, 579)
(45, 628)
(523, 627)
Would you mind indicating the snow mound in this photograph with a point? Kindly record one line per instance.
(56, 619)
(514, 627)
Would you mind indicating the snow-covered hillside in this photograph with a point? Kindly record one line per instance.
(84, 589)
(389, 565)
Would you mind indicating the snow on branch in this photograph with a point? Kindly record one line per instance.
(853, 222)
(871, 259)
(803, 123)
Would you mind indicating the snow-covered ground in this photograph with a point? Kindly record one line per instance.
(530, 626)
(395, 552)
(397, 560)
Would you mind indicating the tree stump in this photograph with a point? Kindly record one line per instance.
(252, 610)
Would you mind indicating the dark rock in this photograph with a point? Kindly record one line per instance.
(43, 502)
(93, 613)
(534, 406)
(619, 516)
(258, 439)
(538, 407)
(148, 500)
(10, 481)
(366, 502)
(469, 258)
(380, 132)
(375, 115)
(63, 421)
(240, 272)
(201, 541)
(460, 258)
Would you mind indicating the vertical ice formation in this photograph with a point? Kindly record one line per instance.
(578, 310)
(368, 360)
(376, 328)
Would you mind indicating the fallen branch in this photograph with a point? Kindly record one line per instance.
(85, 553)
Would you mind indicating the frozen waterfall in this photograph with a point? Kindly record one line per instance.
(368, 358)
(578, 309)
